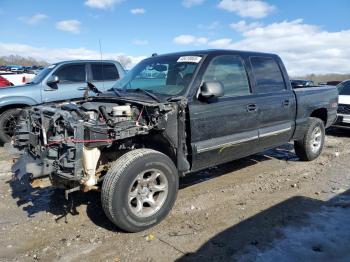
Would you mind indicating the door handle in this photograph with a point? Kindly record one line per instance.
(252, 108)
(82, 88)
(50, 89)
(286, 103)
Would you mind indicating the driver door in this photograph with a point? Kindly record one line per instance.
(71, 85)
(224, 128)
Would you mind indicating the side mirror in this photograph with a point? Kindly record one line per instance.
(53, 81)
(212, 89)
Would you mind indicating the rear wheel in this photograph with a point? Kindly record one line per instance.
(310, 147)
(8, 121)
(140, 189)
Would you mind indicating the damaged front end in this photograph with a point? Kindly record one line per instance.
(73, 144)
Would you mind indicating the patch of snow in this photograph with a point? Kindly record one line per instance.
(326, 238)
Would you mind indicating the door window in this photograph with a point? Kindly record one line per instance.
(230, 72)
(267, 74)
(104, 72)
(71, 73)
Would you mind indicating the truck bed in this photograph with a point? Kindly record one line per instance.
(315, 98)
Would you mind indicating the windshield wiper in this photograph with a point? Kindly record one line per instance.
(175, 98)
(93, 88)
(116, 91)
(147, 93)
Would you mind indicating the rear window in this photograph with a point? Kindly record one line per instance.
(267, 74)
(102, 72)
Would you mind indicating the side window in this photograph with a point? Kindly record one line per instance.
(344, 88)
(267, 74)
(347, 84)
(230, 71)
(71, 73)
(104, 71)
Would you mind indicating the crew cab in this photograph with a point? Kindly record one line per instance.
(169, 116)
(58, 82)
(343, 120)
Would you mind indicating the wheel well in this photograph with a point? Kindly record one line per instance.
(12, 106)
(321, 114)
(161, 144)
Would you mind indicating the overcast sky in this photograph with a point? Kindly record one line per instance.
(311, 36)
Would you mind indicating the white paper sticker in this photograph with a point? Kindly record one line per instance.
(51, 66)
(189, 59)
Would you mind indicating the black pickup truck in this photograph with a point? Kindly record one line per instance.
(169, 116)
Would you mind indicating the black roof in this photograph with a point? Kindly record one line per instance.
(216, 51)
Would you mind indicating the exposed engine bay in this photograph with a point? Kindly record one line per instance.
(73, 144)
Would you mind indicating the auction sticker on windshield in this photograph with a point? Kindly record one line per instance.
(189, 59)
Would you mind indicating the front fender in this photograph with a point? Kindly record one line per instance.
(17, 100)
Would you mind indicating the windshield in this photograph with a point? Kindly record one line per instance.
(42, 74)
(166, 75)
(344, 88)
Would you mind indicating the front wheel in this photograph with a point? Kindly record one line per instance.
(140, 189)
(310, 147)
(8, 121)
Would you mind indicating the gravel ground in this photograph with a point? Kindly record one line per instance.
(268, 207)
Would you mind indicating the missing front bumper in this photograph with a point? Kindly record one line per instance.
(27, 164)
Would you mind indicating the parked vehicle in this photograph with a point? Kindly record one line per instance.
(18, 79)
(35, 69)
(58, 82)
(301, 83)
(26, 69)
(4, 82)
(343, 119)
(333, 83)
(8, 67)
(17, 69)
(133, 142)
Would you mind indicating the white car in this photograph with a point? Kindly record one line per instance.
(344, 104)
(18, 79)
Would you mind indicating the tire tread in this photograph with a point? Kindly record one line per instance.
(111, 179)
(301, 146)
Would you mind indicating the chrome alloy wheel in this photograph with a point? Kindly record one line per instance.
(316, 139)
(148, 193)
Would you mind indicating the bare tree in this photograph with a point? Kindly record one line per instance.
(324, 77)
(20, 60)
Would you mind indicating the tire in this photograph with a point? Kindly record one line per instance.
(310, 147)
(127, 189)
(7, 124)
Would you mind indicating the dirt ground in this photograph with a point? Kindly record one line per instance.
(268, 207)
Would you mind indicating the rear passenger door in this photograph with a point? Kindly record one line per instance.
(104, 75)
(275, 101)
(72, 83)
(225, 128)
